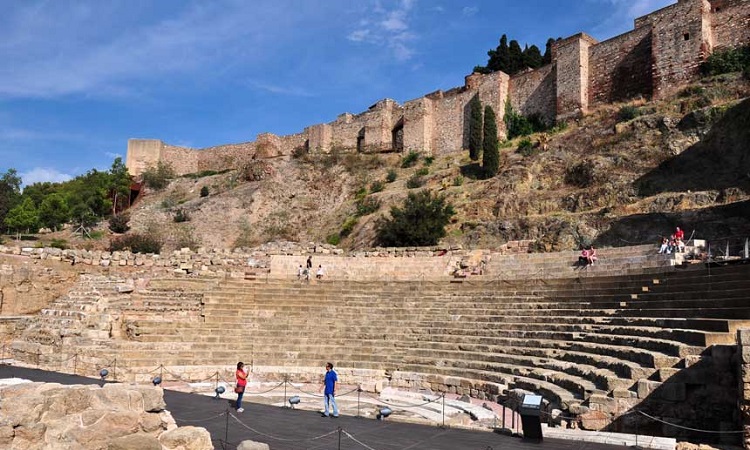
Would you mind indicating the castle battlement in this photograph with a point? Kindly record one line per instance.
(662, 53)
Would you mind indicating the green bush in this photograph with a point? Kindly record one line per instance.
(410, 159)
(525, 147)
(181, 216)
(367, 205)
(428, 160)
(458, 181)
(415, 181)
(361, 193)
(158, 177)
(731, 60)
(391, 177)
(627, 112)
(490, 147)
(376, 186)
(691, 91)
(422, 172)
(519, 125)
(136, 243)
(581, 175)
(62, 244)
(119, 223)
(333, 239)
(204, 191)
(348, 226)
(420, 221)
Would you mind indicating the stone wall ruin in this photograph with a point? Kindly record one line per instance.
(662, 53)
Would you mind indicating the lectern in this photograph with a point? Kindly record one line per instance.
(531, 410)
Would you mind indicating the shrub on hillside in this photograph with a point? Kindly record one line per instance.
(409, 160)
(731, 60)
(157, 177)
(628, 112)
(420, 221)
(581, 175)
(181, 216)
(204, 191)
(391, 177)
(119, 223)
(376, 186)
(367, 205)
(348, 226)
(333, 239)
(136, 243)
(422, 172)
(415, 181)
(525, 147)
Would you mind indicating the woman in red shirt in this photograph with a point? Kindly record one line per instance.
(241, 375)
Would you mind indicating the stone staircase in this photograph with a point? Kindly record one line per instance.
(600, 341)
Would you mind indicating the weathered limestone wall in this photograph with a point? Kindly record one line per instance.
(182, 160)
(142, 154)
(320, 138)
(419, 124)
(730, 23)
(367, 132)
(572, 61)
(681, 40)
(743, 343)
(620, 68)
(26, 288)
(534, 92)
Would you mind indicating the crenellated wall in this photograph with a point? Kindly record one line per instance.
(662, 53)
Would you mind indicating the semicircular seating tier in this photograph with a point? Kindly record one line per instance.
(603, 339)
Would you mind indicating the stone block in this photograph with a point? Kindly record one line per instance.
(646, 387)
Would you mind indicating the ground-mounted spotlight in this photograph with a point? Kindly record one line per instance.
(294, 401)
(219, 390)
(384, 412)
(156, 381)
(103, 374)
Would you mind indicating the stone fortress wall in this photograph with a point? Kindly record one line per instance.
(661, 53)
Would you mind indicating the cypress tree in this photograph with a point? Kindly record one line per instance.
(532, 57)
(547, 58)
(515, 55)
(490, 150)
(475, 128)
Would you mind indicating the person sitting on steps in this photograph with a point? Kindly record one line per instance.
(592, 256)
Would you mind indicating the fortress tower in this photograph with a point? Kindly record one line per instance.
(661, 54)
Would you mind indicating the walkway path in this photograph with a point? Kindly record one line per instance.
(287, 429)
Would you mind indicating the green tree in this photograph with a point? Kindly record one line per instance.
(547, 58)
(158, 177)
(532, 57)
(10, 192)
(515, 56)
(23, 217)
(119, 186)
(420, 221)
(53, 212)
(475, 128)
(490, 147)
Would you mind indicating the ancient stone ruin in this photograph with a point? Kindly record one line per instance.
(662, 53)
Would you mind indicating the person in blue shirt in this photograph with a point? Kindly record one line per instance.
(330, 391)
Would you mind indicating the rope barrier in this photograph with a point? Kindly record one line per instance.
(402, 406)
(266, 392)
(357, 441)
(276, 438)
(688, 428)
(203, 420)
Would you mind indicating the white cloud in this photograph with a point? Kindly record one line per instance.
(104, 53)
(43, 174)
(295, 91)
(389, 28)
(622, 14)
(469, 11)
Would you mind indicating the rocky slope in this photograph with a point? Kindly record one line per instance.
(683, 161)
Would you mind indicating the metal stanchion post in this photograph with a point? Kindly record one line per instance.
(217, 380)
(114, 369)
(75, 364)
(359, 389)
(38, 358)
(503, 416)
(161, 372)
(286, 380)
(226, 427)
(443, 409)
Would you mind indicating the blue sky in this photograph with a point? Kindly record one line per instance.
(79, 78)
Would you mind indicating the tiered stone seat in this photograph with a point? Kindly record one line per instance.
(580, 339)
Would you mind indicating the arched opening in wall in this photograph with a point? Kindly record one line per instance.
(361, 141)
(397, 136)
(135, 191)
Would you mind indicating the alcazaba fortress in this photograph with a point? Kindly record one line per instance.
(663, 52)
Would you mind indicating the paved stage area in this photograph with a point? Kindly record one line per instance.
(287, 429)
